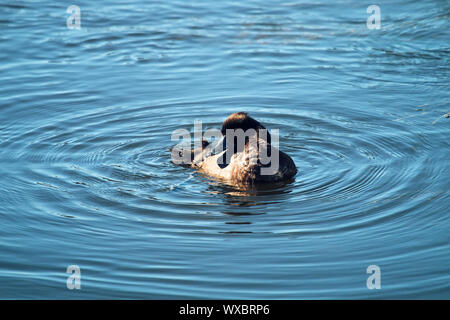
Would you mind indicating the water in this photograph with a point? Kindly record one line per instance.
(85, 124)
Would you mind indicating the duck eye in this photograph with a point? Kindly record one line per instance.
(180, 154)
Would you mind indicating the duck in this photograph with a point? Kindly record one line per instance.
(251, 161)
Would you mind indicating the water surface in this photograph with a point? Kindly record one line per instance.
(85, 123)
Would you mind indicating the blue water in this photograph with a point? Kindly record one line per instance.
(86, 118)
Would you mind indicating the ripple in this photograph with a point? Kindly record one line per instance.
(85, 125)
(121, 161)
